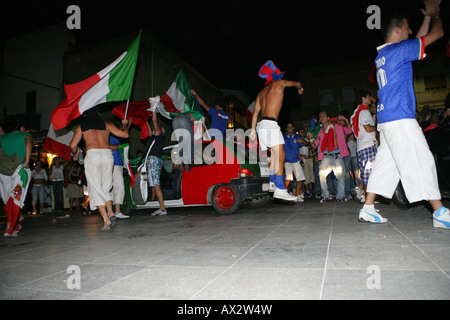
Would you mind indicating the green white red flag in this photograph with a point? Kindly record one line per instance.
(178, 99)
(17, 196)
(113, 83)
(58, 142)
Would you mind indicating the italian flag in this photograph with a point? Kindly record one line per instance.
(113, 83)
(138, 111)
(177, 99)
(58, 142)
(21, 181)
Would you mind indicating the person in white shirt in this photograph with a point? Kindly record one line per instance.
(363, 124)
(57, 183)
(39, 178)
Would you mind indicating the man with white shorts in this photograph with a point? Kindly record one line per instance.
(99, 161)
(269, 101)
(403, 153)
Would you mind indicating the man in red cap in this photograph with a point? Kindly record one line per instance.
(269, 101)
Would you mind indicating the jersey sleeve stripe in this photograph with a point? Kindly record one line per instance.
(421, 48)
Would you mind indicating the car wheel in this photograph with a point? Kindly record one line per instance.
(139, 190)
(400, 199)
(225, 198)
(126, 207)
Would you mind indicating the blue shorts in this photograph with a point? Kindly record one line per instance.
(154, 166)
(366, 159)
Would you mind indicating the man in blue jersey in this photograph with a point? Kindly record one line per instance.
(403, 153)
(292, 166)
(219, 118)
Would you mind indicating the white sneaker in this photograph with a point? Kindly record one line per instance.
(120, 215)
(300, 198)
(356, 194)
(14, 234)
(283, 195)
(159, 212)
(372, 216)
(441, 218)
(325, 199)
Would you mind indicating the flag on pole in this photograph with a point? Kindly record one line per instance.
(138, 111)
(113, 83)
(124, 153)
(58, 142)
(178, 99)
(249, 114)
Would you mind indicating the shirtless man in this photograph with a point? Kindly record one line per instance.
(269, 101)
(99, 161)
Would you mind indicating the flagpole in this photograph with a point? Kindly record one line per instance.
(134, 75)
(126, 109)
(198, 104)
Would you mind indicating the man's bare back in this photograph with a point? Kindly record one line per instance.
(99, 139)
(96, 139)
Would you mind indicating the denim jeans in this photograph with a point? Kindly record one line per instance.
(57, 187)
(333, 163)
(183, 133)
(354, 167)
(317, 189)
(349, 183)
(37, 193)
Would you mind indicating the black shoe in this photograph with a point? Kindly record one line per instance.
(113, 220)
(84, 209)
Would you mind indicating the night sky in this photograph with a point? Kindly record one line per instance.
(228, 41)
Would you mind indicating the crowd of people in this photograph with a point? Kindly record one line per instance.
(403, 152)
(356, 156)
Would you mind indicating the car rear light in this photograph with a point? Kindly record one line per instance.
(246, 173)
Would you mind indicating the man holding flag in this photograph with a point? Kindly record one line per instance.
(99, 161)
(178, 104)
(113, 83)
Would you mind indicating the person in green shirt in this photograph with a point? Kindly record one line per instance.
(13, 189)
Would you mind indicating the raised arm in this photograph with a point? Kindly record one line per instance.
(289, 83)
(155, 123)
(431, 16)
(200, 100)
(121, 133)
